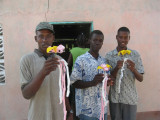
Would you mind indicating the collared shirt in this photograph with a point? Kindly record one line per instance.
(128, 93)
(40, 54)
(44, 105)
(88, 101)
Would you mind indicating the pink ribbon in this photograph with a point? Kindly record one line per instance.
(103, 100)
(62, 83)
(63, 87)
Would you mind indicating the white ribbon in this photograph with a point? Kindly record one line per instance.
(60, 84)
(68, 78)
(103, 89)
(60, 79)
(104, 102)
(121, 76)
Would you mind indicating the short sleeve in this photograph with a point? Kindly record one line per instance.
(25, 72)
(139, 65)
(77, 71)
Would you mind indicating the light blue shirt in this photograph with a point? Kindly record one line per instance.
(88, 101)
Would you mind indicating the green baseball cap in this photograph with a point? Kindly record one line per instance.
(45, 25)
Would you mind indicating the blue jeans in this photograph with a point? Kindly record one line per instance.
(84, 117)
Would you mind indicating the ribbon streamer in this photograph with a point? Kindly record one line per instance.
(104, 102)
(68, 78)
(63, 71)
(121, 76)
(122, 52)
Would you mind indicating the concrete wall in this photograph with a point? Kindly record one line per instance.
(20, 17)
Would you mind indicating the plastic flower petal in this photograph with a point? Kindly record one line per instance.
(49, 49)
(60, 49)
(109, 66)
(123, 52)
(105, 67)
(56, 49)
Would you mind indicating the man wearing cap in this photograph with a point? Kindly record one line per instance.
(40, 76)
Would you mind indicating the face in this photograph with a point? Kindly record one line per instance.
(44, 38)
(96, 42)
(122, 39)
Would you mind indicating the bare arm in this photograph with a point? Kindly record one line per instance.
(70, 62)
(118, 66)
(68, 108)
(83, 84)
(138, 75)
(131, 66)
(30, 89)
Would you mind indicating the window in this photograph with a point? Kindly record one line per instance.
(2, 70)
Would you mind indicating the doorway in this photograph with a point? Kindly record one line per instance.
(67, 32)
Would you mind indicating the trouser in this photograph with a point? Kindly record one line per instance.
(84, 117)
(120, 111)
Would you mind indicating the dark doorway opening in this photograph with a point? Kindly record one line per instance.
(67, 32)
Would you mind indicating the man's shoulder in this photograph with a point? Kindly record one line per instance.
(110, 53)
(134, 52)
(74, 49)
(27, 57)
(83, 56)
(102, 57)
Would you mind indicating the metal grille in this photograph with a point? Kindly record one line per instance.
(2, 70)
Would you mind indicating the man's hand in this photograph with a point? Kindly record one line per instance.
(50, 65)
(110, 81)
(70, 116)
(98, 79)
(119, 64)
(116, 69)
(131, 65)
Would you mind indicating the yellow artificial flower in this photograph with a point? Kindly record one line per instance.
(123, 52)
(49, 49)
(54, 48)
(99, 67)
(107, 65)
